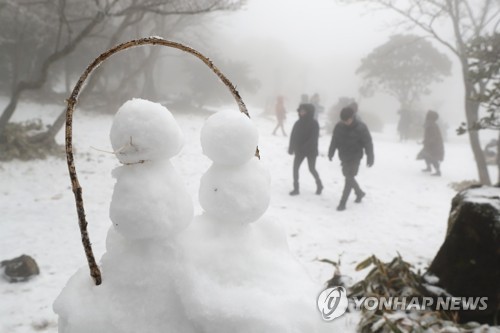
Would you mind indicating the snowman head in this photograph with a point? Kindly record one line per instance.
(144, 131)
(229, 138)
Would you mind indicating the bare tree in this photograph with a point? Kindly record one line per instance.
(51, 30)
(467, 20)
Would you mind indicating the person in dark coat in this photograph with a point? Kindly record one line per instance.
(304, 144)
(433, 151)
(350, 137)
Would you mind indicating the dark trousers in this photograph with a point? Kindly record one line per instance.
(350, 170)
(311, 162)
(432, 161)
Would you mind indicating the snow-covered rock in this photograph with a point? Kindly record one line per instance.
(468, 262)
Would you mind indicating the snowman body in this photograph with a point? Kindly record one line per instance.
(149, 207)
(137, 214)
(240, 272)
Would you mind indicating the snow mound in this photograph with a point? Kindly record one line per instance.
(242, 278)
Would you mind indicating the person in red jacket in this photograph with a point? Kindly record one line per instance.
(280, 115)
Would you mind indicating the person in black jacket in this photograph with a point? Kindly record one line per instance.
(350, 137)
(433, 150)
(304, 144)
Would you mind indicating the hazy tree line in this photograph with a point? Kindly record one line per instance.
(46, 45)
(474, 28)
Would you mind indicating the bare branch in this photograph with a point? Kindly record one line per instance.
(422, 25)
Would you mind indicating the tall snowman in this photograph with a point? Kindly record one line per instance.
(149, 207)
(241, 276)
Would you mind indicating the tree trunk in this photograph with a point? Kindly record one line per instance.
(498, 159)
(149, 90)
(472, 116)
(9, 109)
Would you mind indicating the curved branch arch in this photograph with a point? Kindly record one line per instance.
(71, 103)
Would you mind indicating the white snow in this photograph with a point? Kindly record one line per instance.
(484, 195)
(404, 211)
(242, 278)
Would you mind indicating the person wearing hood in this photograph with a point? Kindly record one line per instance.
(350, 137)
(304, 144)
(433, 151)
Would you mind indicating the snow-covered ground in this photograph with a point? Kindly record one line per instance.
(405, 211)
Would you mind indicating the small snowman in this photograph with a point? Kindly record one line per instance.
(149, 208)
(241, 276)
(236, 187)
(149, 200)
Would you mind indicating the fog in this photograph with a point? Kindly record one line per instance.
(267, 48)
(297, 47)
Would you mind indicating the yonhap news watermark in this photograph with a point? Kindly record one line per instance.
(333, 303)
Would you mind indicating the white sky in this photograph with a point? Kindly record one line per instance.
(311, 23)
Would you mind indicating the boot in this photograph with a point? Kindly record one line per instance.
(438, 170)
(359, 197)
(319, 187)
(358, 191)
(345, 194)
(295, 189)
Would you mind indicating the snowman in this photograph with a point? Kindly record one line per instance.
(149, 208)
(240, 274)
(149, 199)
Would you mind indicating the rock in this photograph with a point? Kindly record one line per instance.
(468, 262)
(19, 269)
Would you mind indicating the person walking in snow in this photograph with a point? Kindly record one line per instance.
(350, 137)
(280, 112)
(433, 151)
(304, 144)
(404, 124)
(318, 108)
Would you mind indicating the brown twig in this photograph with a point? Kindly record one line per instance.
(73, 99)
